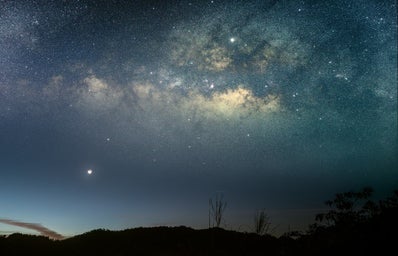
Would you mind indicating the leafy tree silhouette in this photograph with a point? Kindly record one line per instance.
(349, 208)
(354, 225)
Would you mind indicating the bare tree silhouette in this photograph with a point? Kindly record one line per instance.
(216, 210)
(262, 223)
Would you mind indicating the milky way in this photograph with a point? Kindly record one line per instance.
(276, 105)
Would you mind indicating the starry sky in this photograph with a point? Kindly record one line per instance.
(276, 105)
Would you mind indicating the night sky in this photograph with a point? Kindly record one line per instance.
(276, 105)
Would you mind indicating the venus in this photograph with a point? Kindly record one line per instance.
(89, 172)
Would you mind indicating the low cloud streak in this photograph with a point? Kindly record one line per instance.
(34, 226)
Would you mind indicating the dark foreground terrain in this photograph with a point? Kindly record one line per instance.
(353, 226)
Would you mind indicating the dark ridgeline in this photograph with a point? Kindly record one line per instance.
(144, 241)
(353, 226)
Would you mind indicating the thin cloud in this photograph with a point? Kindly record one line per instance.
(33, 226)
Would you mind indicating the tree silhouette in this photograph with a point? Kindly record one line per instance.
(216, 210)
(262, 223)
(349, 208)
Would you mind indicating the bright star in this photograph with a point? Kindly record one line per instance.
(89, 172)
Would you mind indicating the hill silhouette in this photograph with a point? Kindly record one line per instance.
(354, 225)
(144, 241)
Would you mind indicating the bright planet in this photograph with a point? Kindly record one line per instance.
(89, 172)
